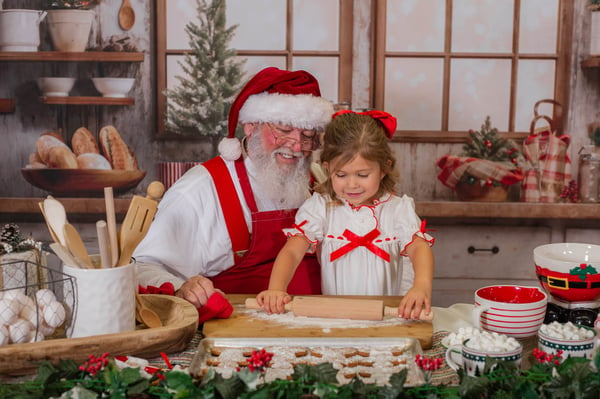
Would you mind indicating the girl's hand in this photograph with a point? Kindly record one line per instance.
(415, 305)
(273, 301)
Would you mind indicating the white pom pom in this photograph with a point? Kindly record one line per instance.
(230, 149)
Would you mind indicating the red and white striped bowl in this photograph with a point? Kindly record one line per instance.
(514, 310)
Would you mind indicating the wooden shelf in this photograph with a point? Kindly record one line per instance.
(85, 56)
(87, 100)
(7, 105)
(20, 208)
(592, 62)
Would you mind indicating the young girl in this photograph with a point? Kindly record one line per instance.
(361, 230)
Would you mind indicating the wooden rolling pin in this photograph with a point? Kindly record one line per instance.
(339, 308)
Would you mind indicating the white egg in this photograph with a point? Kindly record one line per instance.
(20, 331)
(44, 297)
(4, 336)
(31, 313)
(8, 311)
(54, 314)
(45, 329)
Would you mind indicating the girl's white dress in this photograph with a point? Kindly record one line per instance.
(362, 250)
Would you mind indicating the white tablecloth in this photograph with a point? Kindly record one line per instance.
(453, 317)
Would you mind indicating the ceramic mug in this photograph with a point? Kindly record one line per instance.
(513, 310)
(104, 300)
(584, 347)
(473, 360)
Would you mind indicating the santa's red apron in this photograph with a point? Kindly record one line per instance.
(254, 256)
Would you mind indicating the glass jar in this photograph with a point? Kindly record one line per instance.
(588, 178)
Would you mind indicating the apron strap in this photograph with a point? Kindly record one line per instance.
(242, 173)
(231, 206)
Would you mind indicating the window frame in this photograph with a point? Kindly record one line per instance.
(562, 58)
(344, 54)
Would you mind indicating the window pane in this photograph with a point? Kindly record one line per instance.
(256, 63)
(325, 69)
(316, 25)
(179, 14)
(415, 25)
(261, 24)
(479, 87)
(174, 69)
(536, 82)
(482, 26)
(413, 92)
(539, 24)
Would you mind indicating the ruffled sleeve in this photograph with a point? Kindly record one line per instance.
(310, 221)
(410, 225)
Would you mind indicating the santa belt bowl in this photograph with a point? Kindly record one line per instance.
(569, 271)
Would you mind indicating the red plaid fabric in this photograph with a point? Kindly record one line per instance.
(550, 166)
(454, 167)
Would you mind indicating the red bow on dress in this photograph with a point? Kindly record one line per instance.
(386, 120)
(355, 241)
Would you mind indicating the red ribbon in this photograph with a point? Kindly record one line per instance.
(386, 120)
(358, 241)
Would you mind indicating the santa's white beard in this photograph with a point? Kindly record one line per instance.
(287, 185)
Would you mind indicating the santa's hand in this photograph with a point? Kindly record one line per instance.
(196, 290)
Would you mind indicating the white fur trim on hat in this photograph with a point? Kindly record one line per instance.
(230, 149)
(302, 111)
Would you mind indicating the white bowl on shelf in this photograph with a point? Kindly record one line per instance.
(55, 87)
(113, 87)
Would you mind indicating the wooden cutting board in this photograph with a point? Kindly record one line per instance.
(244, 324)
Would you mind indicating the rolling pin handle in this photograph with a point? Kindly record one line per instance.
(251, 303)
(390, 311)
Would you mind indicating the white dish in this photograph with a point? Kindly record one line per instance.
(55, 87)
(113, 87)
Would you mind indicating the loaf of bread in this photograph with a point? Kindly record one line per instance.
(83, 142)
(116, 150)
(61, 157)
(90, 160)
(35, 161)
(46, 142)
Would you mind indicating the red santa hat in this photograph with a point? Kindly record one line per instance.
(273, 95)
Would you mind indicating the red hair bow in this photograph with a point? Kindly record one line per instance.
(386, 120)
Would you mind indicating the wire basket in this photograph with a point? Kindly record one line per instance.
(36, 302)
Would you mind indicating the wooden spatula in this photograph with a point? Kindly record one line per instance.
(76, 246)
(137, 221)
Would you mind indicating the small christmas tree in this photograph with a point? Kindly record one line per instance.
(200, 104)
(488, 144)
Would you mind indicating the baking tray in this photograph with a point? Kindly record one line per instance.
(372, 359)
(180, 322)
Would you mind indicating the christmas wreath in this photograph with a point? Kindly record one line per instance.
(488, 160)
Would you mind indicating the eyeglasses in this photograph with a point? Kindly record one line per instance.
(282, 136)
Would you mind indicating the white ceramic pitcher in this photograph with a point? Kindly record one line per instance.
(20, 29)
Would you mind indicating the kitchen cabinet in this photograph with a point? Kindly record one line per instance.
(473, 256)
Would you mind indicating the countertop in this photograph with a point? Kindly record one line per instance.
(90, 209)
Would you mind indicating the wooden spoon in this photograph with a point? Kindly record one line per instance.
(56, 217)
(126, 15)
(76, 245)
(147, 315)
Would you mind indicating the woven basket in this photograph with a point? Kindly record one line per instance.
(479, 192)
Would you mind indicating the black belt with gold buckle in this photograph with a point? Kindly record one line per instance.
(563, 283)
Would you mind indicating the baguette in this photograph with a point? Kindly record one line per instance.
(46, 142)
(61, 158)
(83, 142)
(115, 150)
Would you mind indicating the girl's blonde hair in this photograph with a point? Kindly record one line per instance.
(349, 135)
